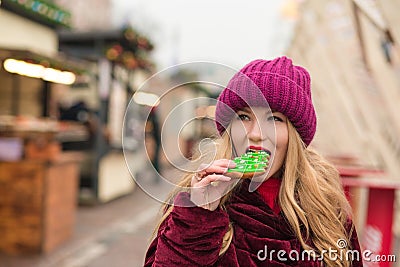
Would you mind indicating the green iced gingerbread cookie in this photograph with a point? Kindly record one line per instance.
(253, 161)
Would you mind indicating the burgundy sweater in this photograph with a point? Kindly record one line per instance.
(192, 236)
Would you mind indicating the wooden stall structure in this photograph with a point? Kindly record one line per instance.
(38, 189)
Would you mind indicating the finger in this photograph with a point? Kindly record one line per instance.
(225, 163)
(197, 177)
(212, 178)
(218, 168)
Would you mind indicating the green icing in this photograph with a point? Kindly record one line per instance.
(252, 161)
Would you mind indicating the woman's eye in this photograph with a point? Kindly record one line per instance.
(274, 118)
(243, 117)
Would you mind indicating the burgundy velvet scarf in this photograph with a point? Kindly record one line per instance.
(193, 236)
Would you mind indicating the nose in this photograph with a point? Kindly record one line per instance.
(254, 132)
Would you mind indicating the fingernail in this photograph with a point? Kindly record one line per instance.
(232, 164)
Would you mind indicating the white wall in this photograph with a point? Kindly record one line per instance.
(85, 20)
(20, 33)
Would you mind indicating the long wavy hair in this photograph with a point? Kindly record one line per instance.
(310, 196)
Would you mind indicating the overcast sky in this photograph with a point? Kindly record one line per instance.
(223, 31)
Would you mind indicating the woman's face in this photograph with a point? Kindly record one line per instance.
(254, 128)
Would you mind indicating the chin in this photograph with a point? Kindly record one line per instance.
(277, 174)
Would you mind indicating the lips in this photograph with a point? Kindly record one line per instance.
(257, 148)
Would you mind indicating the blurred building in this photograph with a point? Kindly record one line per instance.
(89, 14)
(122, 64)
(38, 182)
(30, 36)
(116, 56)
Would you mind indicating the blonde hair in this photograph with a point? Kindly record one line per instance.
(311, 198)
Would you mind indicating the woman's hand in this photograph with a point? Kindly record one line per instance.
(210, 184)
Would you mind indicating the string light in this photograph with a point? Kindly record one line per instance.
(38, 71)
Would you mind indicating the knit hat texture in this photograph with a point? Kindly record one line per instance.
(277, 84)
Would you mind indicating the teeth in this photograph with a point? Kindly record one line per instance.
(254, 150)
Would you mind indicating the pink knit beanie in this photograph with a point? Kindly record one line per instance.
(276, 83)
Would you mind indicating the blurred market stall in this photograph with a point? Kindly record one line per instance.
(38, 181)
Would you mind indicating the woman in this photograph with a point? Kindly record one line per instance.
(298, 214)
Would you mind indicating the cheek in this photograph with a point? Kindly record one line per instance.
(282, 145)
(282, 137)
(239, 137)
(238, 131)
